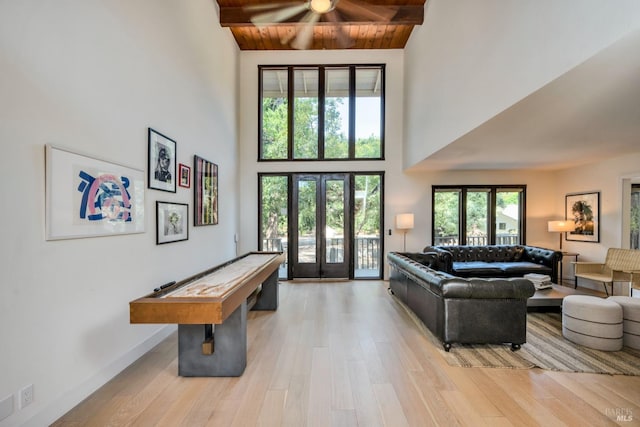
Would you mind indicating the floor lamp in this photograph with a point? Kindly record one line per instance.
(404, 222)
(561, 227)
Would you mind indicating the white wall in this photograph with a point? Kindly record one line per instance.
(605, 177)
(471, 60)
(539, 202)
(396, 184)
(92, 75)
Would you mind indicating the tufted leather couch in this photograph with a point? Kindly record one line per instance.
(457, 309)
(496, 260)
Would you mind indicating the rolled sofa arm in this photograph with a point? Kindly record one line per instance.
(548, 257)
(445, 259)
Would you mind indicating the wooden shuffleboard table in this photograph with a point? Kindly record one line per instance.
(210, 309)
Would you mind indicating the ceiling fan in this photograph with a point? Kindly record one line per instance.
(312, 11)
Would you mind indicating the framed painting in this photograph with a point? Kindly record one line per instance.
(172, 222)
(184, 174)
(88, 197)
(162, 162)
(584, 210)
(205, 182)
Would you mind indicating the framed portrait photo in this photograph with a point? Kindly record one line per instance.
(162, 162)
(584, 210)
(172, 222)
(184, 176)
(205, 182)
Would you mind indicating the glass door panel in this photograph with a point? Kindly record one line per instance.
(477, 219)
(334, 219)
(307, 220)
(320, 211)
(446, 217)
(274, 218)
(367, 212)
(508, 217)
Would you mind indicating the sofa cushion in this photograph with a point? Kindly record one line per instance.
(477, 269)
(523, 267)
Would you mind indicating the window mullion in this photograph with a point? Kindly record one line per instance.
(352, 112)
(463, 217)
(321, 107)
(290, 112)
(493, 207)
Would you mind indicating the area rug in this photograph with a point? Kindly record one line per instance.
(545, 348)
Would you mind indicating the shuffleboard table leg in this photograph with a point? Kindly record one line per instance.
(229, 358)
(268, 298)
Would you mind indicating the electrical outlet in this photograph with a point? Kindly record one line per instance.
(26, 396)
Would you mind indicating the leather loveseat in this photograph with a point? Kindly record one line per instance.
(457, 309)
(496, 260)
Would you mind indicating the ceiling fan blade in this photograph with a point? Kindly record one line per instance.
(361, 11)
(278, 15)
(267, 6)
(305, 35)
(344, 40)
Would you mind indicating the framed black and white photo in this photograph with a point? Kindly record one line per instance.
(584, 210)
(172, 222)
(162, 162)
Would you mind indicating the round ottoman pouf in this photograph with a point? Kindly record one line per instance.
(592, 322)
(631, 316)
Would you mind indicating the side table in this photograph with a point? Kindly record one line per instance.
(575, 256)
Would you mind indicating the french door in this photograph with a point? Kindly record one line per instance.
(328, 225)
(320, 226)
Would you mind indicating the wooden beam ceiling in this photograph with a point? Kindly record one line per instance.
(342, 30)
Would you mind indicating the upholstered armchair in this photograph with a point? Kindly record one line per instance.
(620, 265)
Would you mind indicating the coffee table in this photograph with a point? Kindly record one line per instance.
(551, 298)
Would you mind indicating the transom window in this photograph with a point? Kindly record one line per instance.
(478, 215)
(331, 112)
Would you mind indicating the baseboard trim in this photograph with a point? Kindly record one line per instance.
(71, 398)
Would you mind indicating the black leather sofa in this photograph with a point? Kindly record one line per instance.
(457, 309)
(496, 260)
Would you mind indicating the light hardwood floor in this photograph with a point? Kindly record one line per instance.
(347, 354)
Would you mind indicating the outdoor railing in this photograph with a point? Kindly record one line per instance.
(502, 239)
(367, 251)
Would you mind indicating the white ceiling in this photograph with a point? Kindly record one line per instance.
(589, 113)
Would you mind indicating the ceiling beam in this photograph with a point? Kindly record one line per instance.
(240, 17)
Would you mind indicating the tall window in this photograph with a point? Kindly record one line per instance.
(478, 215)
(331, 112)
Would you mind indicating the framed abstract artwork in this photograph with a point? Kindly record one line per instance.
(205, 191)
(87, 197)
(172, 222)
(184, 176)
(584, 210)
(162, 162)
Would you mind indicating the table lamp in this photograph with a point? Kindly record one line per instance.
(404, 222)
(561, 227)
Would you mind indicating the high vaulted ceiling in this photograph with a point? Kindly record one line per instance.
(353, 24)
(588, 114)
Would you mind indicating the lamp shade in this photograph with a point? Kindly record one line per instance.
(404, 221)
(561, 226)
